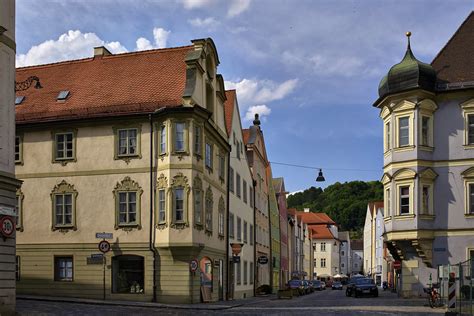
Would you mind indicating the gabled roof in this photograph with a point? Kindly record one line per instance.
(105, 86)
(311, 218)
(454, 62)
(229, 110)
(321, 232)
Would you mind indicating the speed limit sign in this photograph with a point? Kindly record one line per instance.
(7, 226)
(104, 246)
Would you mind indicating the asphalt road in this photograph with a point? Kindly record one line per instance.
(328, 302)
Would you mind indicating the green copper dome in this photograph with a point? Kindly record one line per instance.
(410, 73)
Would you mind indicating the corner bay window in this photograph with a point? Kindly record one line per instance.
(127, 142)
(63, 268)
(403, 131)
(404, 200)
(388, 136)
(127, 208)
(64, 146)
(425, 200)
(128, 274)
(387, 203)
(197, 140)
(198, 206)
(162, 139)
(161, 206)
(425, 121)
(209, 156)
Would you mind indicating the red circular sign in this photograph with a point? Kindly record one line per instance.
(104, 246)
(193, 265)
(7, 226)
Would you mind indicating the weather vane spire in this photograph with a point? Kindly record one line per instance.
(408, 34)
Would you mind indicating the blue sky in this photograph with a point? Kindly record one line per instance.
(311, 68)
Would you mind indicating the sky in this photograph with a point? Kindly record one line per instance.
(310, 68)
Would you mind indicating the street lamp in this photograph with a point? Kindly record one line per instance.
(320, 177)
(25, 85)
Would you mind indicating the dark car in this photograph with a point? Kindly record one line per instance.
(351, 285)
(317, 285)
(297, 286)
(337, 286)
(365, 286)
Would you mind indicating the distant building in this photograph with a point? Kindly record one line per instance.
(8, 183)
(428, 117)
(280, 191)
(345, 260)
(275, 232)
(357, 254)
(374, 254)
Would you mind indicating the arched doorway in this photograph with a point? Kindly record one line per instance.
(205, 266)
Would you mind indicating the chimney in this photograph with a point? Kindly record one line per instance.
(101, 51)
(306, 209)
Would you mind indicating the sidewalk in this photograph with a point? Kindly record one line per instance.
(221, 305)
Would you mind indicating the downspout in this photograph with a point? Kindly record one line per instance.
(228, 263)
(255, 270)
(152, 229)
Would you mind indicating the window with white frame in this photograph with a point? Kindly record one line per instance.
(470, 129)
(239, 229)
(127, 208)
(178, 209)
(245, 272)
(231, 225)
(245, 231)
(471, 198)
(323, 247)
(425, 130)
(19, 209)
(127, 142)
(162, 139)
(388, 136)
(63, 268)
(208, 157)
(425, 199)
(238, 186)
(404, 200)
(387, 202)
(63, 209)
(64, 146)
(161, 206)
(18, 151)
(198, 206)
(403, 131)
(197, 140)
(238, 273)
(244, 187)
(179, 137)
(323, 262)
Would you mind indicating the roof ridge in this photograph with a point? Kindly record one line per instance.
(452, 37)
(119, 55)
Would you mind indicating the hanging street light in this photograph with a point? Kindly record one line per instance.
(320, 177)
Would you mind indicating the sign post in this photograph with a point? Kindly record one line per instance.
(104, 247)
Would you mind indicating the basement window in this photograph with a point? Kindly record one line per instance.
(62, 96)
(19, 100)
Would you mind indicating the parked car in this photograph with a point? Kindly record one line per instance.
(365, 286)
(337, 286)
(351, 284)
(323, 285)
(296, 285)
(317, 285)
(307, 287)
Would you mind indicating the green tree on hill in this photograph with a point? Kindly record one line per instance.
(346, 203)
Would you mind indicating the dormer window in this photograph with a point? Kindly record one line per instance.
(63, 95)
(19, 100)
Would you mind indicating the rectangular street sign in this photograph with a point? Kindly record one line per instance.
(92, 260)
(104, 235)
(97, 255)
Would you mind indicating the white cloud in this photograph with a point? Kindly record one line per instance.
(262, 110)
(207, 22)
(237, 7)
(251, 91)
(161, 37)
(70, 45)
(195, 4)
(143, 44)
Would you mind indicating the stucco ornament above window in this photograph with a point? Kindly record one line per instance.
(180, 194)
(63, 202)
(127, 194)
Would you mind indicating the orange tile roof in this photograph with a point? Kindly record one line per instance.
(246, 134)
(321, 232)
(292, 211)
(229, 110)
(311, 218)
(122, 84)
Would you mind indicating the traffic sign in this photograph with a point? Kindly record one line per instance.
(193, 265)
(397, 265)
(263, 259)
(235, 259)
(7, 226)
(104, 235)
(104, 246)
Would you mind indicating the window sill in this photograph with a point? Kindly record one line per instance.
(469, 215)
(404, 216)
(72, 280)
(404, 148)
(387, 219)
(427, 216)
(64, 227)
(468, 146)
(427, 148)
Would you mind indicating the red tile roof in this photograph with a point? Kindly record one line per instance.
(311, 218)
(246, 135)
(105, 86)
(229, 110)
(292, 211)
(321, 232)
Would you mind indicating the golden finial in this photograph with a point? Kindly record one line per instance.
(408, 34)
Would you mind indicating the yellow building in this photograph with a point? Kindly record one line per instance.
(133, 145)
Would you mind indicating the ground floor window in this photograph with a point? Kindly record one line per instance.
(128, 274)
(63, 268)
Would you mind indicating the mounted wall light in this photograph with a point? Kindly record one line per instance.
(320, 177)
(25, 85)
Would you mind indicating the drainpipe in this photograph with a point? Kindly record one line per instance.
(152, 185)
(227, 260)
(255, 264)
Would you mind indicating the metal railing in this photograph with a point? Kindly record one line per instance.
(462, 275)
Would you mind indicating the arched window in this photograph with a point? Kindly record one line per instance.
(128, 274)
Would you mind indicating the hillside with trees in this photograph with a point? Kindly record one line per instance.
(345, 203)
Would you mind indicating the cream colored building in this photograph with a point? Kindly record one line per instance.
(241, 205)
(134, 145)
(8, 183)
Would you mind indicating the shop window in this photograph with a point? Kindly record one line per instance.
(128, 274)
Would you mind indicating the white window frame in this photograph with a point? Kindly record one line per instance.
(209, 155)
(182, 210)
(65, 143)
(179, 137)
(161, 206)
(128, 139)
(163, 139)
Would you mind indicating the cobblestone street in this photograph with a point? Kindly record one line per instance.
(327, 302)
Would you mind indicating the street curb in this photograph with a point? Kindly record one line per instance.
(200, 306)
